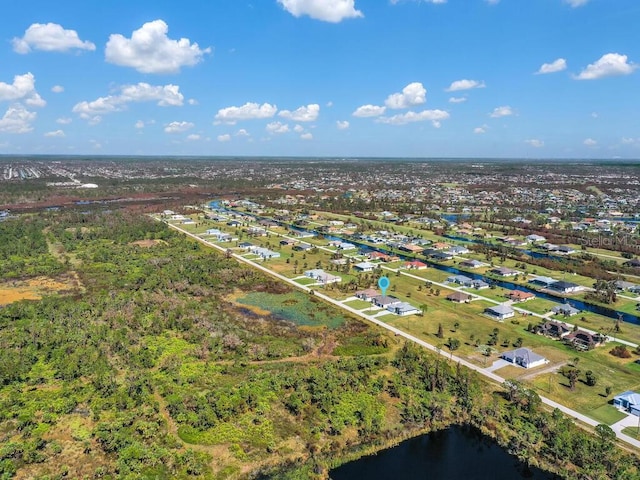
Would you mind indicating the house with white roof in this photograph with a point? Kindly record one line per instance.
(524, 357)
(628, 401)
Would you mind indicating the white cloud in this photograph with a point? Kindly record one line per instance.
(192, 101)
(503, 111)
(298, 129)
(369, 111)
(17, 119)
(464, 85)
(412, 95)
(49, 37)
(608, 65)
(64, 120)
(242, 133)
(333, 11)
(57, 89)
(329, 104)
(306, 136)
(534, 142)
(342, 125)
(434, 116)
(248, 111)
(277, 127)
(436, 2)
(193, 137)
(164, 95)
(224, 138)
(303, 114)
(556, 66)
(590, 142)
(630, 141)
(178, 127)
(139, 124)
(481, 130)
(150, 50)
(55, 133)
(22, 88)
(457, 99)
(576, 3)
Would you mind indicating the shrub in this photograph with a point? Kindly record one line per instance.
(620, 351)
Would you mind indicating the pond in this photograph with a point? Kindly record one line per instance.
(457, 453)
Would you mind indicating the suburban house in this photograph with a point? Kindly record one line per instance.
(234, 223)
(622, 286)
(541, 281)
(338, 261)
(322, 277)
(524, 358)
(367, 295)
(457, 250)
(383, 257)
(245, 245)
(287, 242)
(500, 312)
(536, 238)
(415, 265)
(553, 329)
(440, 246)
(565, 249)
(472, 264)
(628, 401)
(257, 231)
(265, 253)
(520, 296)
(302, 247)
(460, 280)
(582, 340)
(384, 301)
(459, 297)
(364, 267)
(634, 263)
(346, 246)
(218, 235)
(565, 309)
(443, 256)
(403, 309)
(411, 248)
(479, 284)
(566, 287)
(505, 272)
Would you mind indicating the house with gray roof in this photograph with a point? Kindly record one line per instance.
(500, 311)
(524, 357)
(565, 309)
(628, 401)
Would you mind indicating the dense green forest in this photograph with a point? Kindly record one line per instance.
(151, 370)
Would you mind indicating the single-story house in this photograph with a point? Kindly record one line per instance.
(245, 245)
(257, 231)
(411, 248)
(634, 262)
(265, 253)
(440, 246)
(541, 281)
(524, 358)
(383, 257)
(338, 261)
(520, 296)
(287, 242)
(584, 340)
(302, 247)
(501, 311)
(457, 250)
(622, 286)
(505, 272)
(553, 329)
(385, 300)
(367, 295)
(459, 297)
(403, 309)
(565, 249)
(364, 267)
(346, 246)
(536, 238)
(460, 280)
(479, 284)
(566, 287)
(472, 264)
(416, 265)
(628, 401)
(234, 223)
(565, 309)
(322, 277)
(443, 256)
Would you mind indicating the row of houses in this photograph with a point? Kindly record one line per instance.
(388, 302)
(580, 339)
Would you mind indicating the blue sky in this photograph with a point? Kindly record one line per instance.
(418, 78)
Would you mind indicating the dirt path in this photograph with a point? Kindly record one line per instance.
(550, 369)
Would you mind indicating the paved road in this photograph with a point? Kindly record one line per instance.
(496, 378)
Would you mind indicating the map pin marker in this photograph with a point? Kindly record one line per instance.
(384, 283)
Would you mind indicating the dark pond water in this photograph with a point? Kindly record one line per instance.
(458, 453)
